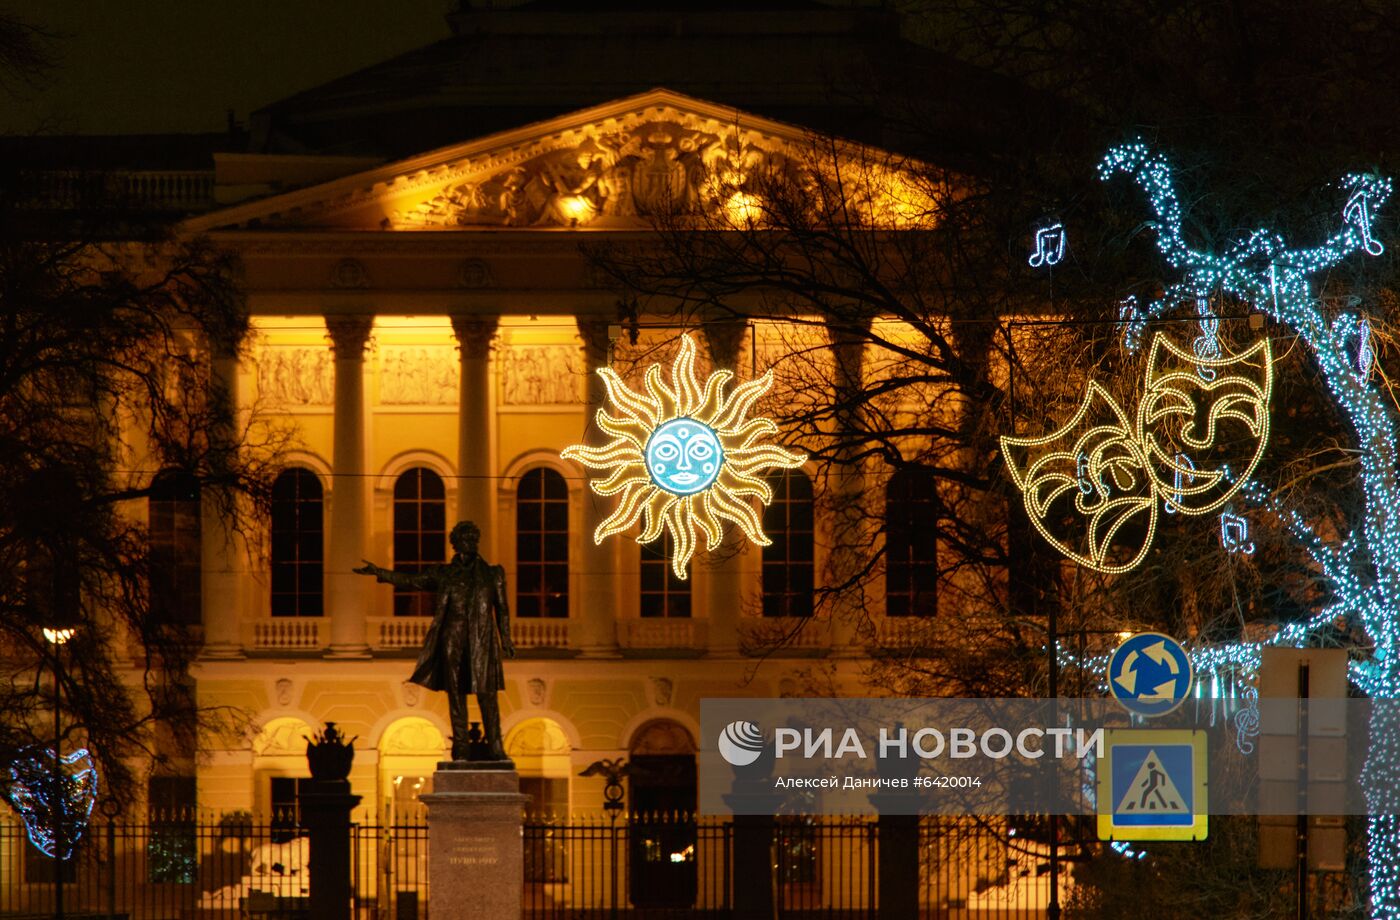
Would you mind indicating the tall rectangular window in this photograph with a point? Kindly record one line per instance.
(911, 544)
(788, 568)
(297, 545)
(176, 554)
(663, 594)
(542, 545)
(420, 535)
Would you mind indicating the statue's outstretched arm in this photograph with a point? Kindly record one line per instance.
(422, 581)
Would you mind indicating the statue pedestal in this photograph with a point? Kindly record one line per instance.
(476, 860)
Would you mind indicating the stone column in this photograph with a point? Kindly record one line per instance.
(595, 633)
(348, 594)
(476, 500)
(476, 857)
(221, 550)
(726, 573)
(848, 515)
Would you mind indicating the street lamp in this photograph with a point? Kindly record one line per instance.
(57, 638)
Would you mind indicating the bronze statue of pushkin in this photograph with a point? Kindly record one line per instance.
(469, 634)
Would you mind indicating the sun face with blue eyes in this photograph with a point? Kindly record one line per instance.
(684, 456)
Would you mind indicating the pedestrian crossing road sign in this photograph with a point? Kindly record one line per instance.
(1152, 785)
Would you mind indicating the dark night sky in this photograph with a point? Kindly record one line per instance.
(176, 65)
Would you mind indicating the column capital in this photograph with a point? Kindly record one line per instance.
(597, 335)
(225, 343)
(725, 337)
(349, 333)
(475, 333)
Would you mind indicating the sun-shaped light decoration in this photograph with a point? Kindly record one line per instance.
(683, 456)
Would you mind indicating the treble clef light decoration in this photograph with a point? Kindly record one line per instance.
(1206, 345)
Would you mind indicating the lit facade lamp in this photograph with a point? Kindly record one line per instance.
(49, 795)
(59, 636)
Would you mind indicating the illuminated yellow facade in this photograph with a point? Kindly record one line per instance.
(432, 334)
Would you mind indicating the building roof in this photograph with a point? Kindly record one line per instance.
(793, 60)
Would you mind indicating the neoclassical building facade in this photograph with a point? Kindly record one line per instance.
(429, 332)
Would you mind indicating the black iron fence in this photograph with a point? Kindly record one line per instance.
(641, 866)
(672, 866)
(183, 868)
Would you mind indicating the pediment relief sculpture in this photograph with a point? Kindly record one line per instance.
(608, 177)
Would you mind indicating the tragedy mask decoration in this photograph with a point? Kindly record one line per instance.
(1095, 486)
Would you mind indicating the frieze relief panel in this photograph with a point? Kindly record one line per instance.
(669, 164)
(539, 375)
(296, 376)
(421, 375)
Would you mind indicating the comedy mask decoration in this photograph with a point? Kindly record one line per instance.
(55, 799)
(684, 456)
(1095, 487)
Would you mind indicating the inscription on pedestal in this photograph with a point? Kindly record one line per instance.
(474, 851)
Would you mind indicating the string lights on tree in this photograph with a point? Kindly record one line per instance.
(684, 456)
(1362, 569)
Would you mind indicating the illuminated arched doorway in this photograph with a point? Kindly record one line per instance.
(409, 751)
(279, 769)
(540, 750)
(661, 794)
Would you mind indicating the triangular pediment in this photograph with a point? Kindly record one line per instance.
(611, 166)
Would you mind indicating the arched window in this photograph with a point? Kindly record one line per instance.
(787, 561)
(173, 510)
(297, 544)
(542, 545)
(911, 544)
(420, 534)
(663, 594)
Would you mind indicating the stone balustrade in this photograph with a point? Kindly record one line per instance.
(663, 633)
(287, 634)
(530, 632)
(762, 635)
(397, 632)
(901, 632)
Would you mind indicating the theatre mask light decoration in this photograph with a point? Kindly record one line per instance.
(54, 796)
(684, 456)
(1095, 486)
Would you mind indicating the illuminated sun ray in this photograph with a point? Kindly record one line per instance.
(683, 456)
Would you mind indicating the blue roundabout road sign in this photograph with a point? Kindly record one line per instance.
(1149, 674)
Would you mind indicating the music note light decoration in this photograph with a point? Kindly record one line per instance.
(46, 793)
(1234, 533)
(1093, 487)
(1049, 246)
(684, 456)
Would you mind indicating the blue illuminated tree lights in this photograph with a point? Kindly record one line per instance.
(1362, 569)
(46, 794)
